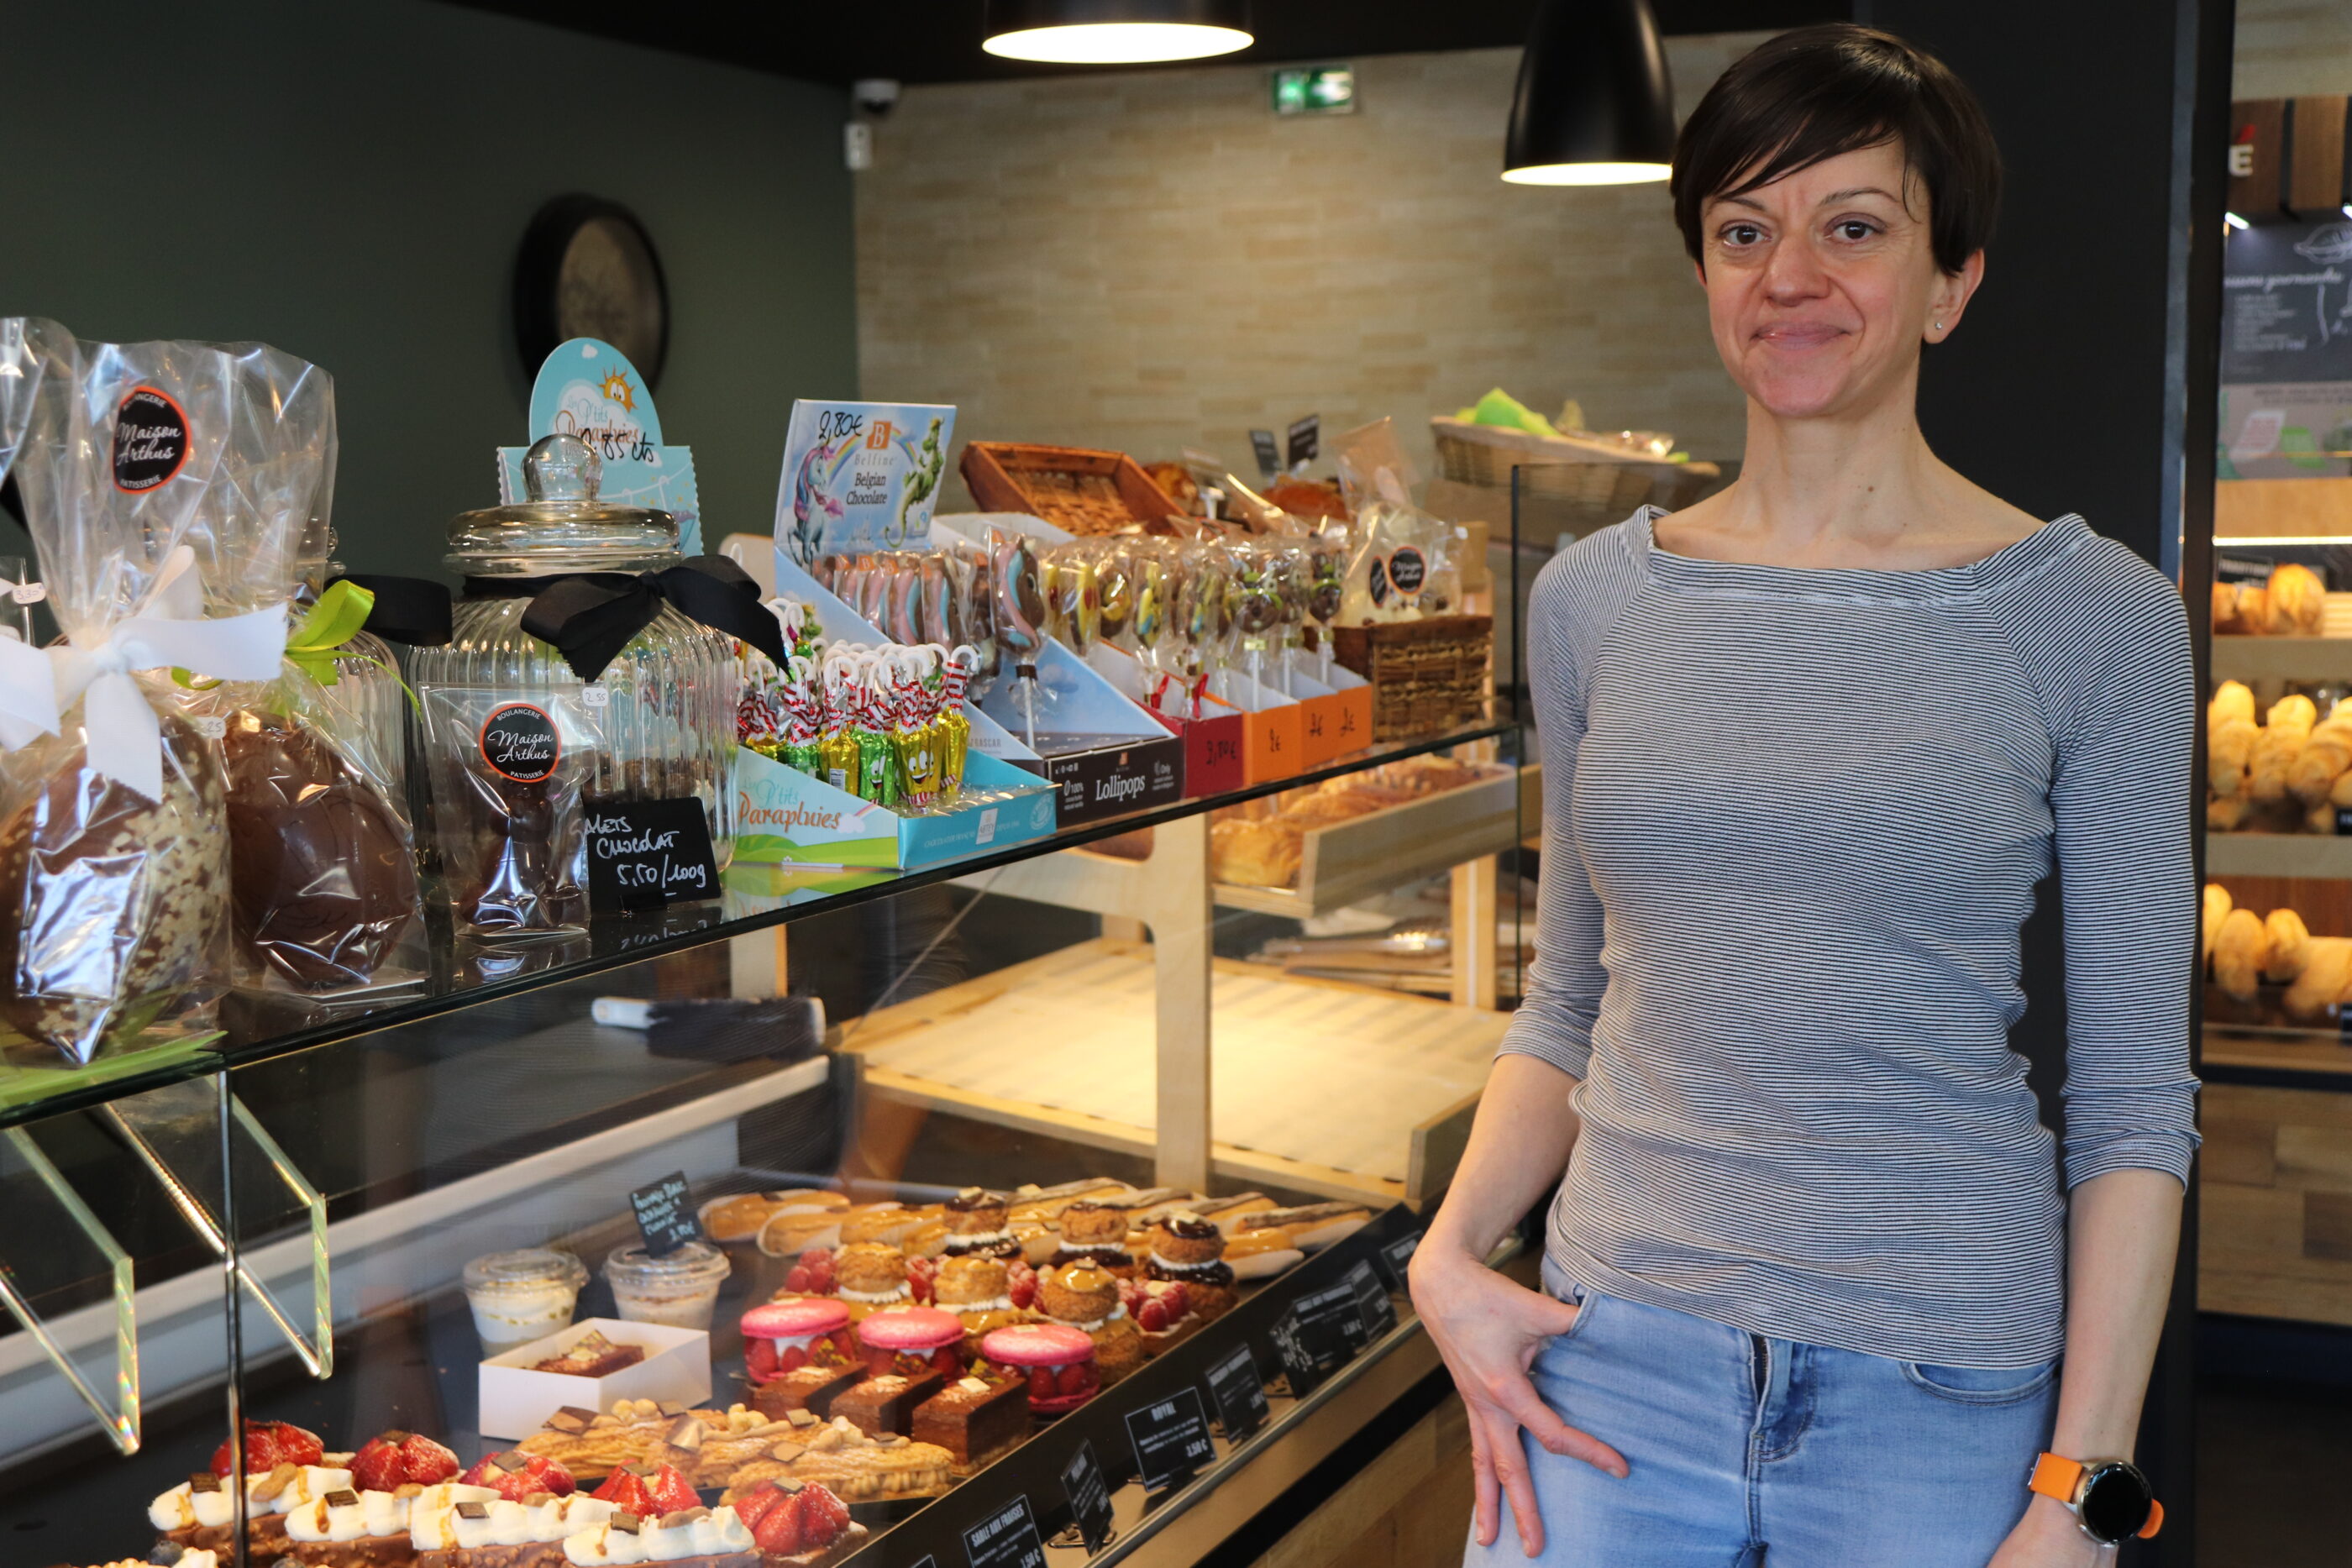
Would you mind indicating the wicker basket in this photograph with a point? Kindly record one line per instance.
(1084, 491)
(1428, 676)
(1592, 486)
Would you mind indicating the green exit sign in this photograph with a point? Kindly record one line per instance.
(1314, 90)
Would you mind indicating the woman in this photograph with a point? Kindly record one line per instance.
(1809, 746)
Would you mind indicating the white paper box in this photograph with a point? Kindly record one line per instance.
(516, 1401)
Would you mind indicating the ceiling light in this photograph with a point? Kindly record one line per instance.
(1594, 105)
(1115, 32)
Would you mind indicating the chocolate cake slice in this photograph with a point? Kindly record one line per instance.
(887, 1404)
(973, 1420)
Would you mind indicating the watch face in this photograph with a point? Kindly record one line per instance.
(2116, 1503)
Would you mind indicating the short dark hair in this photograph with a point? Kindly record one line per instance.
(1817, 93)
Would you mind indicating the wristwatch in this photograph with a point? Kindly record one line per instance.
(2110, 1498)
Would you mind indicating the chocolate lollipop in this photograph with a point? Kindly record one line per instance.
(1020, 614)
(1326, 576)
(937, 610)
(1114, 591)
(901, 592)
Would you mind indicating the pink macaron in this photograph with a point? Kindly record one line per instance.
(803, 1318)
(914, 1329)
(1037, 1345)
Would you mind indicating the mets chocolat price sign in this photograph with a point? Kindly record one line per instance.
(1090, 1495)
(1318, 1335)
(1007, 1538)
(1372, 1303)
(648, 854)
(665, 1218)
(1170, 1439)
(1239, 1393)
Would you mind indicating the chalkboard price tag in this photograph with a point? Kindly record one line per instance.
(665, 1218)
(1269, 456)
(1007, 1538)
(1398, 1254)
(1372, 1303)
(1089, 1494)
(1304, 439)
(1238, 1393)
(648, 854)
(1170, 1439)
(1316, 1335)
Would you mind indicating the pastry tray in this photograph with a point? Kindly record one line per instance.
(1347, 861)
(1320, 1086)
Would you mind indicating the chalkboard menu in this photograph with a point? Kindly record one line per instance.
(1090, 1495)
(648, 854)
(1318, 1335)
(2286, 303)
(1372, 1303)
(1170, 1439)
(1238, 1393)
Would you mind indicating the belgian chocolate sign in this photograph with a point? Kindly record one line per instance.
(1238, 1393)
(665, 1218)
(1170, 1439)
(150, 441)
(648, 854)
(518, 741)
(1089, 1496)
(1007, 1538)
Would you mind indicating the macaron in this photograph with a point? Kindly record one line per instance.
(801, 1319)
(913, 1329)
(1037, 1345)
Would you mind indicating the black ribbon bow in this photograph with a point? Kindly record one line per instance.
(590, 618)
(410, 609)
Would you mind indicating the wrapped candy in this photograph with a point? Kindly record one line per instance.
(954, 728)
(114, 838)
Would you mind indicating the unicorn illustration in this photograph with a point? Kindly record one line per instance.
(812, 506)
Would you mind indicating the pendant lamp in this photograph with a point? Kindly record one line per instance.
(1594, 105)
(1115, 32)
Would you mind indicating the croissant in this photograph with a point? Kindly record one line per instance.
(2295, 601)
(2228, 748)
(2289, 943)
(2217, 909)
(2226, 622)
(2275, 752)
(2227, 815)
(2253, 608)
(2326, 968)
(2240, 951)
(2322, 760)
(2340, 792)
(2319, 818)
(2231, 699)
(2295, 712)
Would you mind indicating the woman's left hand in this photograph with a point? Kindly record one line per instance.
(2048, 1537)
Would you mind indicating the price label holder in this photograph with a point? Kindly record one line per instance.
(1398, 1256)
(1089, 1493)
(1320, 1332)
(648, 854)
(1303, 442)
(1172, 1440)
(665, 1218)
(1269, 456)
(1007, 1538)
(1372, 1303)
(1238, 1393)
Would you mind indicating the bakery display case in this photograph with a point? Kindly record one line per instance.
(861, 1215)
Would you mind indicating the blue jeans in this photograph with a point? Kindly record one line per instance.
(1749, 1452)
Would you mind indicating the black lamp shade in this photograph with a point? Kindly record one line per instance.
(1594, 104)
(1112, 31)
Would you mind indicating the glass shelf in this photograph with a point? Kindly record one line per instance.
(255, 1028)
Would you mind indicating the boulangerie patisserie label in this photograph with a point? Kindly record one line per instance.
(520, 742)
(150, 441)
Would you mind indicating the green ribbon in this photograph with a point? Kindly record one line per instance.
(338, 617)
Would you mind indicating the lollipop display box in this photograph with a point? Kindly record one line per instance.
(1103, 752)
(784, 816)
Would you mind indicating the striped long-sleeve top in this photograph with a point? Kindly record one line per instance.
(1794, 821)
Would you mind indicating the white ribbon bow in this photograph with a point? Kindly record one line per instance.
(123, 735)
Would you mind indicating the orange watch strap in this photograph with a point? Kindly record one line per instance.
(2154, 1521)
(2055, 1476)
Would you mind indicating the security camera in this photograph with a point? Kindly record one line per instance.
(875, 95)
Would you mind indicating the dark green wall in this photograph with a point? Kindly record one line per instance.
(347, 180)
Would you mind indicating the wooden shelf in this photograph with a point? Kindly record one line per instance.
(1325, 1087)
(2320, 1049)
(1348, 861)
(2282, 658)
(2317, 855)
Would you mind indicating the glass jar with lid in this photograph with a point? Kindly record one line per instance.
(522, 737)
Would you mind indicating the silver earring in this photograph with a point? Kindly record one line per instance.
(1939, 326)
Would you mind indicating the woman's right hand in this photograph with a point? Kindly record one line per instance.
(1489, 1329)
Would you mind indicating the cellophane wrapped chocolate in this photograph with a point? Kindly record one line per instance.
(112, 902)
(323, 870)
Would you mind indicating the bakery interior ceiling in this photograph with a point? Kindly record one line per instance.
(841, 43)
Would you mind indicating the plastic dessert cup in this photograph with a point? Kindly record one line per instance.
(522, 1295)
(678, 1290)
